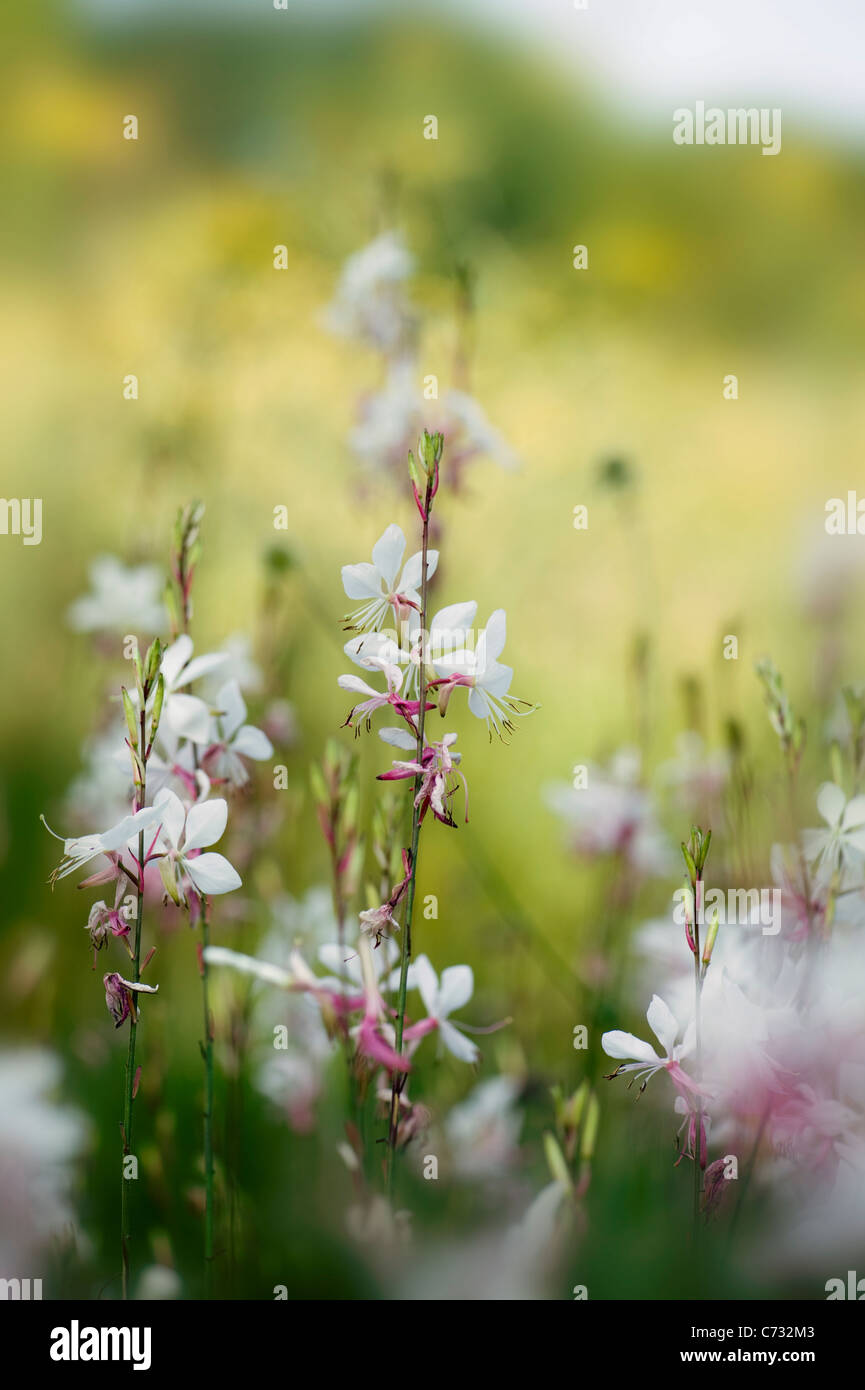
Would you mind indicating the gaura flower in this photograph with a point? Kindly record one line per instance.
(665, 1028)
(377, 584)
(487, 680)
(376, 699)
(122, 599)
(235, 739)
(440, 1000)
(371, 1041)
(369, 303)
(438, 772)
(111, 843)
(120, 997)
(183, 834)
(841, 847)
(374, 920)
(188, 716)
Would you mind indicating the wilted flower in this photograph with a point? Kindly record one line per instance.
(120, 996)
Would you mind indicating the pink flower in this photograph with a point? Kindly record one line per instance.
(437, 769)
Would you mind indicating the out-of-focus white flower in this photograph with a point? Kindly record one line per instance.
(440, 1000)
(39, 1141)
(122, 599)
(696, 775)
(369, 303)
(234, 740)
(840, 847)
(187, 716)
(240, 664)
(614, 814)
(483, 1130)
(158, 1283)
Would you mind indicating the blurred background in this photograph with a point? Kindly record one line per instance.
(305, 128)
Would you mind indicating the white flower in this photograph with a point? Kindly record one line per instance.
(842, 845)
(235, 739)
(487, 679)
(440, 1000)
(184, 831)
(122, 600)
(483, 1130)
(369, 302)
(377, 584)
(39, 1140)
(466, 420)
(663, 1024)
(124, 835)
(613, 814)
(187, 716)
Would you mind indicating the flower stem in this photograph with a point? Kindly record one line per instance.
(208, 1105)
(398, 1080)
(129, 1088)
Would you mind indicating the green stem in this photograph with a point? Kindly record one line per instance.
(399, 1080)
(208, 1106)
(133, 1036)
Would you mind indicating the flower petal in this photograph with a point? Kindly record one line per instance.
(456, 989)
(361, 581)
(830, 803)
(171, 813)
(212, 873)
(188, 717)
(456, 1042)
(663, 1024)
(625, 1046)
(205, 824)
(388, 552)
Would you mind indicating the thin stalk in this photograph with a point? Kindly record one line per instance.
(208, 1105)
(698, 1140)
(133, 1031)
(405, 956)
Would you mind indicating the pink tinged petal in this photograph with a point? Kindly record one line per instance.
(205, 824)
(372, 1045)
(361, 581)
(188, 717)
(252, 743)
(663, 1024)
(171, 813)
(388, 552)
(420, 1030)
(455, 1042)
(830, 803)
(456, 989)
(426, 982)
(625, 1046)
(212, 874)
